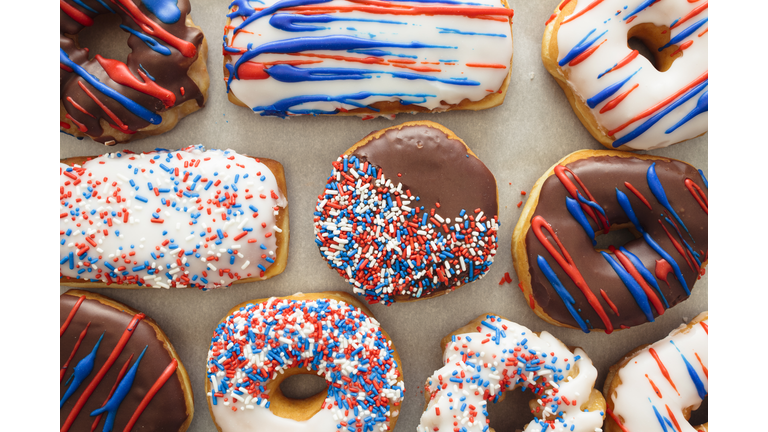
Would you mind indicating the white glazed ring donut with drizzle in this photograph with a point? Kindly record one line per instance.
(655, 387)
(491, 355)
(622, 99)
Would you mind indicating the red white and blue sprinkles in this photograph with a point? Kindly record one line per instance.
(500, 356)
(259, 342)
(186, 218)
(380, 238)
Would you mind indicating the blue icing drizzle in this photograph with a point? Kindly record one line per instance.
(706, 183)
(695, 377)
(381, 53)
(243, 8)
(659, 417)
(658, 191)
(609, 91)
(685, 33)
(644, 272)
(561, 291)
(653, 120)
(269, 10)
(283, 106)
(298, 23)
(621, 197)
(580, 47)
(166, 11)
(120, 392)
(632, 286)
(702, 106)
(639, 9)
(150, 41)
(85, 6)
(130, 105)
(83, 368)
(106, 6)
(592, 204)
(459, 32)
(288, 73)
(575, 209)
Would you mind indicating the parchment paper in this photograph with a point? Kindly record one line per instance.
(518, 141)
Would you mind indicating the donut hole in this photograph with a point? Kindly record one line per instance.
(647, 38)
(303, 386)
(105, 37)
(511, 412)
(619, 235)
(699, 416)
(297, 394)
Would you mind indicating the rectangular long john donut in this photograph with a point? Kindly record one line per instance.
(190, 218)
(367, 57)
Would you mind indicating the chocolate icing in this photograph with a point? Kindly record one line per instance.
(434, 168)
(602, 175)
(169, 72)
(167, 411)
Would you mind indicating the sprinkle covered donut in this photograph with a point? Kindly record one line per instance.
(492, 355)
(621, 98)
(119, 370)
(162, 80)
(367, 57)
(655, 387)
(186, 218)
(408, 213)
(263, 342)
(569, 281)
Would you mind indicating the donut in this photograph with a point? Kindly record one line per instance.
(189, 218)
(655, 387)
(262, 343)
(619, 95)
(163, 79)
(367, 57)
(119, 370)
(562, 379)
(408, 213)
(569, 281)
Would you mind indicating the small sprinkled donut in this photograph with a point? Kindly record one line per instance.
(492, 355)
(408, 213)
(163, 79)
(119, 370)
(569, 282)
(655, 387)
(263, 342)
(189, 218)
(621, 98)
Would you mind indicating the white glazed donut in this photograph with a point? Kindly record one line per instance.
(367, 57)
(622, 99)
(655, 387)
(185, 218)
(492, 355)
(333, 335)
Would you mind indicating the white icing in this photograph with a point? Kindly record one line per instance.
(494, 362)
(635, 399)
(463, 49)
(143, 237)
(654, 86)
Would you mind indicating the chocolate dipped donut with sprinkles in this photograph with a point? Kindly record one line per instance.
(491, 356)
(571, 281)
(119, 370)
(163, 79)
(262, 343)
(408, 213)
(189, 218)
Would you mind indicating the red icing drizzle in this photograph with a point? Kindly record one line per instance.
(678, 246)
(79, 125)
(586, 9)
(691, 14)
(101, 105)
(560, 172)
(74, 350)
(697, 193)
(610, 303)
(616, 419)
(585, 55)
(625, 61)
(71, 315)
(663, 369)
(64, 125)
(706, 371)
(564, 4)
(638, 194)
(636, 275)
(613, 103)
(119, 73)
(566, 263)
(662, 270)
(674, 420)
(706, 327)
(151, 393)
(103, 371)
(79, 108)
(75, 14)
(187, 49)
(111, 392)
(655, 389)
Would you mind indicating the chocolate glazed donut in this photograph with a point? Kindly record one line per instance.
(115, 358)
(569, 282)
(164, 78)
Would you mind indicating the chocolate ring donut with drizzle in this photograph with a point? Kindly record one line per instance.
(163, 79)
(408, 213)
(569, 282)
(119, 369)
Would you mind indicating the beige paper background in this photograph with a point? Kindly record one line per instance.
(518, 141)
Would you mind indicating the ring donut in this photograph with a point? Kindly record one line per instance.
(492, 355)
(263, 342)
(408, 213)
(162, 80)
(569, 282)
(655, 387)
(620, 97)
